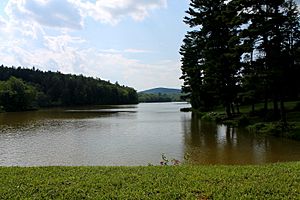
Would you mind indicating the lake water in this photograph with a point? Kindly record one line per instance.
(130, 135)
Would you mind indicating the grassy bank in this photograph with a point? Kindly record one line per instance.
(259, 121)
(275, 181)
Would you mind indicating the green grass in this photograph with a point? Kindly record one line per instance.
(275, 181)
(258, 122)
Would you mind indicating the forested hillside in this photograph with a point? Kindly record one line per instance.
(160, 95)
(23, 89)
(162, 91)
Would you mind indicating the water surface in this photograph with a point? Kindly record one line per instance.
(130, 135)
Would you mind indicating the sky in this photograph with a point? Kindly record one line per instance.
(134, 42)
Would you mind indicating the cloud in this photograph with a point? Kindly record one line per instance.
(132, 72)
(136, 51)
(51, 13)
(70, 14)
(131, 51)
(3, 22)
(113, 11)
(25, 40)
(64, 53)
(59, 43)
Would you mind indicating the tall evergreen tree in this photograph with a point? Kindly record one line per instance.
(216, 41)
(241, 46)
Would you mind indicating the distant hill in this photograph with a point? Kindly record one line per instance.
(160, 95)
(162, 91)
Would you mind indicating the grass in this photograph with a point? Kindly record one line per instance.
(273, 181)
(260, 121)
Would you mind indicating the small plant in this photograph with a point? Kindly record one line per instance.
(165, 161)
(187, 156)
(213, 116)
(173, 162)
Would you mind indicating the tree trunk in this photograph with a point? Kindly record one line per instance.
(266, 103)
(228, 110)
(276, 109)
(283, 112)
(238, 108)
(232, 108)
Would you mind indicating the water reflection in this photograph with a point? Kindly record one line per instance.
(130, 135)
(208, 143)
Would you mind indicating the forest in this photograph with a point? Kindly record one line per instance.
(242, 52)
(26, 89)
(153, 98)
(156, 95)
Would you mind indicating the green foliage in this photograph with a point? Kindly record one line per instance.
(56, 89)
(295, 133)
(214, 116)
(275, 181)
(241, 52)
(148, 98)
(274, 128)
(262, 121)
(243, 121)
(297, 107)
(16, 95)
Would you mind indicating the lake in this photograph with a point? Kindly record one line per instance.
(130, 135)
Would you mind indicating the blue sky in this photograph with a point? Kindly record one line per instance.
(134, 42)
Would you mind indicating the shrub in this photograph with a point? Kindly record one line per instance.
(275, 128)
(297, 107)
(243, 121)
(213, 116)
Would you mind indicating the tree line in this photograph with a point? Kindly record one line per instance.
(160, 97)
(23, 89)
(241, 52)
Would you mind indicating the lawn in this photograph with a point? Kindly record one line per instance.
(273, 181)
(260, 121)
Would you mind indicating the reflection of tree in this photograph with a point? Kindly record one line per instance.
(199, 137)
(209, 143)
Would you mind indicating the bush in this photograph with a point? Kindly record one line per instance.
(243, 121)
(297, 107)
(275, 128)
(255, 128)
(213, 116)
(16, 95)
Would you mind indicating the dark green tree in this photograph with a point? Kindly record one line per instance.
(241, 51)
(57, 89)
(16, 95)
(217, 52)
(271, 35)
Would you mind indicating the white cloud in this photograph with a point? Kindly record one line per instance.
(70, 14)
(26, 42)
(63, 53)
(3, 22)
(132, 72)
(136, 51)
(131, 50)
(60, 43)
(113, 11)
(52, 13)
